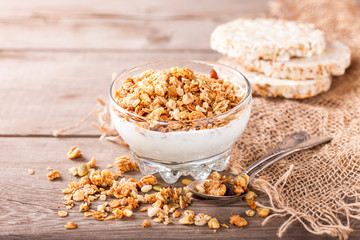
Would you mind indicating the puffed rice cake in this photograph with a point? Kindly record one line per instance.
(278, 87)
(335, 59)
(268, 39)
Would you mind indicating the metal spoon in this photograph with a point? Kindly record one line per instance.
(293, 143)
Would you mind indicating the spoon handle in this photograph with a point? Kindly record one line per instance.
(288, 143)
(260, 166)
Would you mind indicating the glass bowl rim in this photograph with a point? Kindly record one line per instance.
(248, 93)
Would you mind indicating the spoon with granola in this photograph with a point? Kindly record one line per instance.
(227, 188)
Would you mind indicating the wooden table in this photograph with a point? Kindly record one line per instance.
(55, 58)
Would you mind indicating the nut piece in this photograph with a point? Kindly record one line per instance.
(263, 212)
(251, 204)
(148, 180)
(31, 172)
(145, 224)
(78, 196)
(186, 181)
(83, 170)
(213, 74)
(74, 152)
(62, 213)
(127, 212)
(152, 211)
(73, 171)
(146, 188)
(200, 188)
(238, 221)
(158, 187)
(125, 164)
(91, 163)
(250, 196)
(213, 223)
(84, 206)
(224, 225)
(53, 175)
(188, 218)
(250, 213)
(88, 214)
(70, 225)
(201, 219)
(176, 214)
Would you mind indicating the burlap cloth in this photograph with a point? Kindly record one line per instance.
(319, 187)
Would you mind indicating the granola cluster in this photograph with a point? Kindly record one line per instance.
(221, 185)
(177, 94)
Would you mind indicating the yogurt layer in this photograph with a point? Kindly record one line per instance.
(181, 146)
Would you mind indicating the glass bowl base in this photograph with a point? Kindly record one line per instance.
(171, 171)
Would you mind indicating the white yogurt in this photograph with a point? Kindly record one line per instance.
(181, 146)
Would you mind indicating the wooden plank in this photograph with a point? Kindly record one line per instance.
(42, 91)
(29, 203)
(138, 9)
(116, 24)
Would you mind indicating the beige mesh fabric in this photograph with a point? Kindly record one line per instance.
(319, 187)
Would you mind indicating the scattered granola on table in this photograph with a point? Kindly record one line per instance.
(31, 172)
(125, 195)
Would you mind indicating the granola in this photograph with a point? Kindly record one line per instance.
(201, 219)
(62, 213)
(219, 185)
(74, 152)
(189, 218)
(176, 94)
(263, 212)
(238, 221)
(145, 224)
(124, 196)
(213, 223)
(91, 163)
(31, 172)
(53, 175)
(125, 164)
(70, 225)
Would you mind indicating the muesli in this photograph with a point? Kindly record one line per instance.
(177, 95)
(121, 197)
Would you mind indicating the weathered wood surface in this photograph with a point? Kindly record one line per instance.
(29, 203)
(55, 58)
(117, 24)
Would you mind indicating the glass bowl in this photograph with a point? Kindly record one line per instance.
(192, 149)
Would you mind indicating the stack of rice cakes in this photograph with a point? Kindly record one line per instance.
(281, 58)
